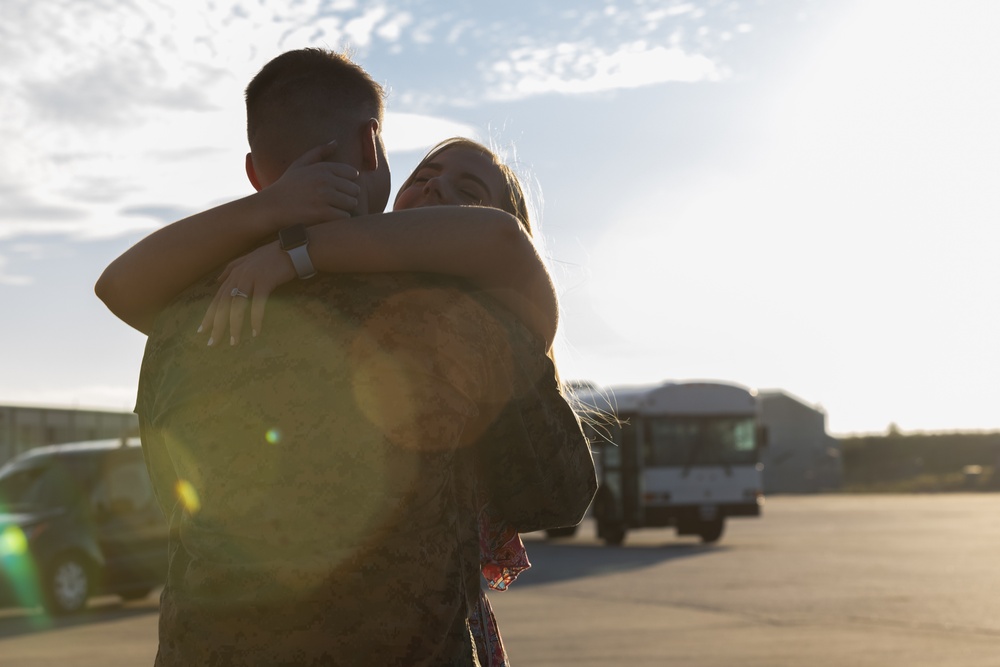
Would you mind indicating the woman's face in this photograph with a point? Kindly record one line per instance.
(458, 176)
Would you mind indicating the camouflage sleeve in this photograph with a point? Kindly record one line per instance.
(534, 458)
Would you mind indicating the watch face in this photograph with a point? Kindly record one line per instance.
(292, 237)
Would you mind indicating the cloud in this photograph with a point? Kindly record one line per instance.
(112, 92)
(392, 30)
(27, 254)
(577, 68)
(359, 30)
(112, 114)
(23, 214)
(409, 131)
(12, 279)
(19, 209)
(526, 49)
(165, 214)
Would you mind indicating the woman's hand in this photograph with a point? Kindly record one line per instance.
(312, 190)
(247, 280)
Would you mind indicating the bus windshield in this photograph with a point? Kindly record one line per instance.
(700, 441)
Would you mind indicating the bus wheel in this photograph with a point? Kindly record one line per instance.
(612, 533)
(711, 531)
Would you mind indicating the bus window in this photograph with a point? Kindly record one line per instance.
(688, 441)
(613, 450)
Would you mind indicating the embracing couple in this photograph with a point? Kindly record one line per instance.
(348, 415)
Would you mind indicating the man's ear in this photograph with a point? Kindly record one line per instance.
(252, 173)
(369, 145)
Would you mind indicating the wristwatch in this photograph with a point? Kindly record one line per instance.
(294, 241)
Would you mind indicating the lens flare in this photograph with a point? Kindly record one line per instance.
(188, 497)
(13, 542)
(19, 569)
(273, 436)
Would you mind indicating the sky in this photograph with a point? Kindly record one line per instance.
(788, 194)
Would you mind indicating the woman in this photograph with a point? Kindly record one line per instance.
(462, 212)
(489, 246)
(490, 251)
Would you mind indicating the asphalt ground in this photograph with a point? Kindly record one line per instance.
(824, 581)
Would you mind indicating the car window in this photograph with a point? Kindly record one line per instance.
(124, 487)
(43, 483)
(63, 485)
(20, 487)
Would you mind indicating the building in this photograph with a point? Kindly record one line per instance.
(800, 456)
(24, 427)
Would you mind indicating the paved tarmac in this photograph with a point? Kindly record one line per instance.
(821, 581)
(818, 581)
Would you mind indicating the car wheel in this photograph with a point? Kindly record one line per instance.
(67, 585)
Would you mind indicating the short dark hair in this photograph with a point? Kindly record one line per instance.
(311, 81)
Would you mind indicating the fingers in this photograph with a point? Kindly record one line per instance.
(323, 153)
(257, 310)
(339, 204)
(317, 187)
(220, 303)
(228, 270)
(237, 310)
(227, 310)
(340, 188)
(221, 318)
(247, 284)
(343, 170)
(326, 153)
(209, 319)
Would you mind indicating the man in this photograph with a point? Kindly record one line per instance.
(321, 482)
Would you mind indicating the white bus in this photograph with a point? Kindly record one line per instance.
(686, 454)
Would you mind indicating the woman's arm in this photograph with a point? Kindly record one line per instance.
(486, 246)
(142, 281)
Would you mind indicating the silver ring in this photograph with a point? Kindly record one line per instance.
(236, 292)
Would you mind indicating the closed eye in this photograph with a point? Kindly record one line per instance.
(425, 175)
(472, 191)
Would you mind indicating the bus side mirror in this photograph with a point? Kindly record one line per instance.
(762, 440)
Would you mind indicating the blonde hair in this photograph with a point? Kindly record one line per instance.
(515, 202)
(513, 199)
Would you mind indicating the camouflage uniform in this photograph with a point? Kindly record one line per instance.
(321, 479)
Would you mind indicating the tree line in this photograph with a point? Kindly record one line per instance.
(926, 461)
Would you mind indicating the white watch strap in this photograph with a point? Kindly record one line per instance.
(300, 260)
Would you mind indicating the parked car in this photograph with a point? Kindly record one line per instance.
(79, 520)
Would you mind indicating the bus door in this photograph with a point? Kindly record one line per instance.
(607, 459)
(631, 472)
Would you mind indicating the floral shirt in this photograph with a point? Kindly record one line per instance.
(502, 557)
(321, 479)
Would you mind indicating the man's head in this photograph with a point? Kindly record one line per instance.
(309, 97)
